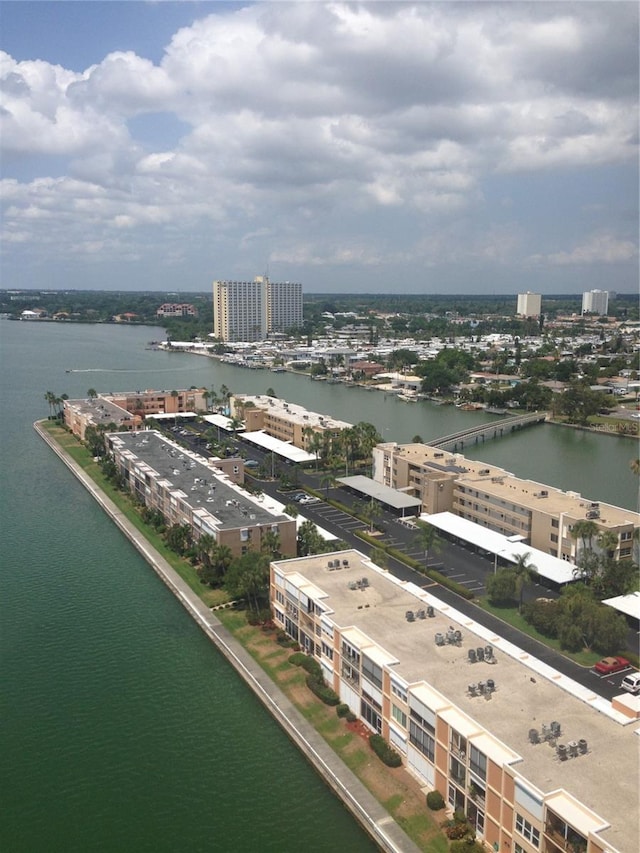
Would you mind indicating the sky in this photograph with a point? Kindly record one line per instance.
(380, 147)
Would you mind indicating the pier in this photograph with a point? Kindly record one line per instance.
(495, 429)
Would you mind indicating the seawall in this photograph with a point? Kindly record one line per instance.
(363, 806)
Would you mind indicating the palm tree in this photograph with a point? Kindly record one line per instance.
(270, 545)
(428, 540)
(584, 530)
(524, 570)
(50, 397)
(327, 481)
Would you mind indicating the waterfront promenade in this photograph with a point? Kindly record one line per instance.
(363, 806)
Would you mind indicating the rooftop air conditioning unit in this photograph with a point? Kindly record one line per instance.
(438, 455)
(484, 471)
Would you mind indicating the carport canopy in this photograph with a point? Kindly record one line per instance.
(221, 421)
(281, 448)
(384, 494)
(627, 604)
(506, 547)
(180, 416)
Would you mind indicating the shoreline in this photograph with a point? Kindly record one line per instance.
(371, 816)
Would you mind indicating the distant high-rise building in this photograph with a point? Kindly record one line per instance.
(251, 310)
(595, 302)
(284, 305)
(529, 304)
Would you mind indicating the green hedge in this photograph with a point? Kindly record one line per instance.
(322, 691)
(342, 710)
(435, 801)
(385, 753)
(417, 565)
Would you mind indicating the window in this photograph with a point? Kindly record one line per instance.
(327, 651)
(478, 763)
(422, 741)
(555, 522)
(527, 830)
(399, 716)
(372, 671)
(426, 724)
(554, 538)
(398, 691)
(368, 713)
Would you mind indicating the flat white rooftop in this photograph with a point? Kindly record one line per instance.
(528, 694)
(505, 547)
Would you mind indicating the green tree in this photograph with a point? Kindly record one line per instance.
(92, 393)
(309, 541)
(379, 557)
(427, 539)
(524, 571)
(248, 578)
(501, 587)
(270, 545)
(327, 481)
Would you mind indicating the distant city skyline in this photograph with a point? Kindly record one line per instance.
(468, 148)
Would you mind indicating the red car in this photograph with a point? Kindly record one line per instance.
(607, 666)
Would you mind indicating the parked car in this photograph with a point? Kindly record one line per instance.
(607, 666)
(298, 496)
(309, 499)
(251, 463)
(631, 682)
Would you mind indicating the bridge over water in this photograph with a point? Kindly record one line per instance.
(496, 429)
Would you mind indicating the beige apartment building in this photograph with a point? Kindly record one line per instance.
(538, 763)
(494, 498)
(127, 410)
(284, 421)
(186, 489)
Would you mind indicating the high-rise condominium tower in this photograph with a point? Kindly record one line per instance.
(595, 302)
(251, 310)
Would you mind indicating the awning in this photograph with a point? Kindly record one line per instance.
(275, 445)
(627, 604)
(506, 547)
(384, 494)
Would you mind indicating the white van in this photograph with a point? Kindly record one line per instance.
(631, 682)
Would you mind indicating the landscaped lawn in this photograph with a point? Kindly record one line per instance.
(394, 788)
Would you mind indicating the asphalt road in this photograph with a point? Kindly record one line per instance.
(454, 561)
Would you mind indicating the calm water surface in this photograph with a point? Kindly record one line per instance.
(122, 727)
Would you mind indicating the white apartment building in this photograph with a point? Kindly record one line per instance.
(529, 304)
(284, 305)
(538, 763)
(250, 310)
(595, 302)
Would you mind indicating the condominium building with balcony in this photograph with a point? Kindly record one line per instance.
(251, 310)
(535, 761)
(127, 410)
(187, 489)
(284, 421)
(492, 497)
